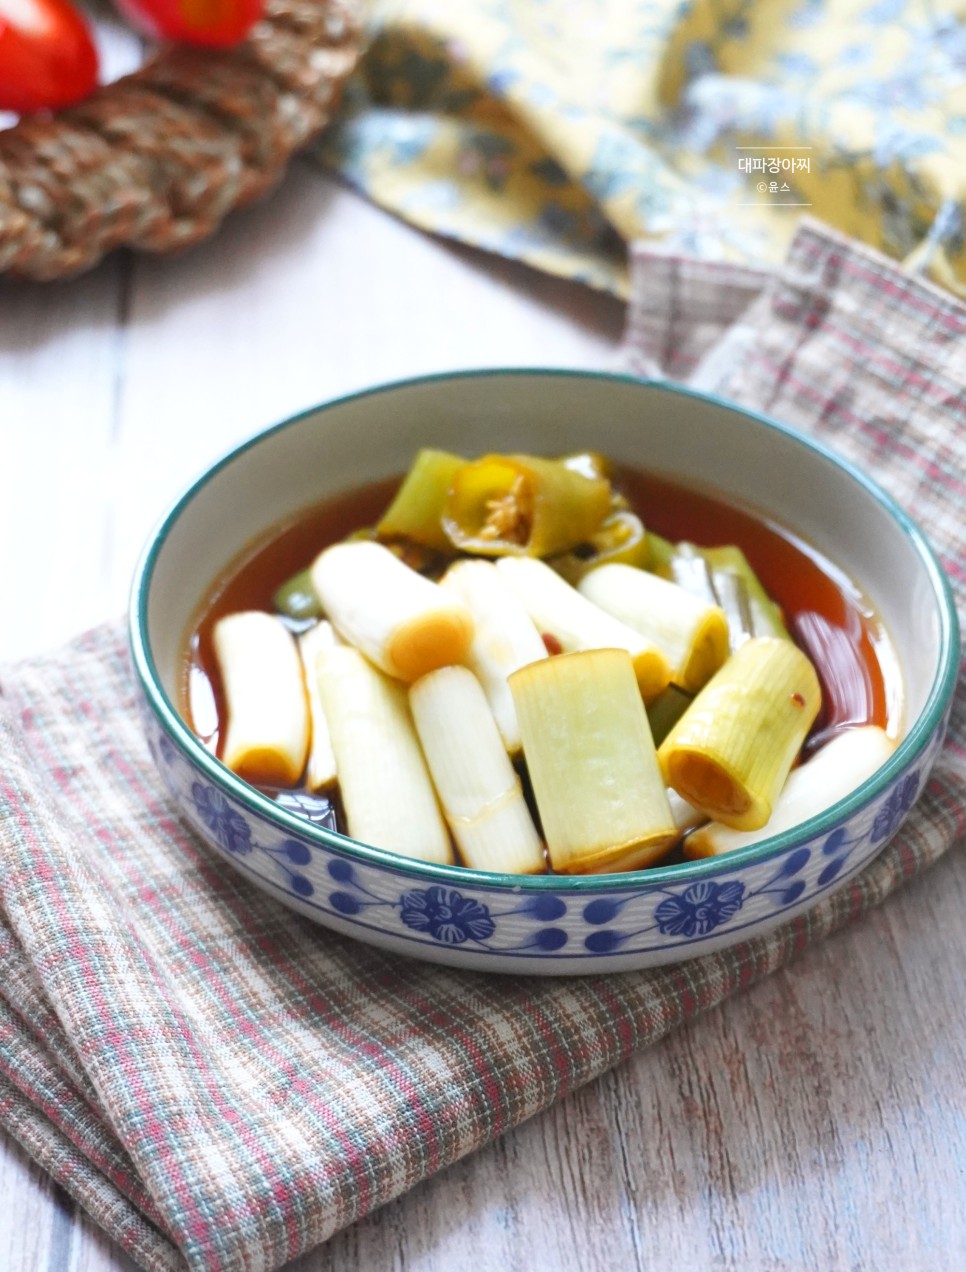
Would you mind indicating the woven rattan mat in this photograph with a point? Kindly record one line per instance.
(155, 160)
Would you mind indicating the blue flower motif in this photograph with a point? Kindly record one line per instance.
(446, 915)
(228, 827)
(699, 909)
(901, 799)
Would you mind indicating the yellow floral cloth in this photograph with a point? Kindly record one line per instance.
(556, 131)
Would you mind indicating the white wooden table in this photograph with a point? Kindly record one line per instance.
(817, 1122)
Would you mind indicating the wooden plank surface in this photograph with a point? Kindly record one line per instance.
(819, 1121)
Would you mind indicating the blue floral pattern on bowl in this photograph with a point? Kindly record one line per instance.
(229, 828)
(446, 915)
(700, 908)
(490, 926)
(548, 925)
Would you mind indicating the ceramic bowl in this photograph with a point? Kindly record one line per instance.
(549, 924)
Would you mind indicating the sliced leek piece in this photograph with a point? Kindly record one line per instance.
(267, 737)
(504, 638)
(732, 593)
(723, 576)
(386, 789)
(691, 571)
(591, 761)
(766, 616)
(417, 509)
(320, 769)
(578, 624)
(691, 633)
(843, 764)
(732, 750)
(404, 623)
(479, 789)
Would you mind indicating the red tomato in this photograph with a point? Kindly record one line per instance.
(47, 57)
(217, 23)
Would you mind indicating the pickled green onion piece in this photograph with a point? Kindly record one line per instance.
(504, 637)
(591, 761)
(766, 617)
(843, 764)
(691, 633)
(477, 785)
(732, 593)
(417, 509)
(406, 624)
(267, 735)
(320, 769)
(691, 571)
(385, 785)
(731, 751)
(575, 623)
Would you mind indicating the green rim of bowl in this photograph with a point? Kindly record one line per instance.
(915, 741)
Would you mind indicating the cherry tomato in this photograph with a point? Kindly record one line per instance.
(217, 23)
(47, 56)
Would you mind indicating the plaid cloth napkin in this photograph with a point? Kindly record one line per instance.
(223, 1085)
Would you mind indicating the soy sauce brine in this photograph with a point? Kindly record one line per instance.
(825, 612)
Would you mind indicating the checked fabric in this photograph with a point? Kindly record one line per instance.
(222, 1085)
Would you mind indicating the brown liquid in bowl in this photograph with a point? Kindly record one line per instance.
(825, 612)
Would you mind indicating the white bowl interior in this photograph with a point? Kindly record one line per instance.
(688, 438)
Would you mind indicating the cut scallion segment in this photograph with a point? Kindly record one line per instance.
(504, 638)
(404, 623)
(724, 577)
(479, 789)
(732, 592)
(766, 617)
(417, 509)
(591, 761)
(267, 736)
(844, 763)
(691, 633)
(577, 624)
(732, 750)
(690, 571)
(320, 768)
(386, 790)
